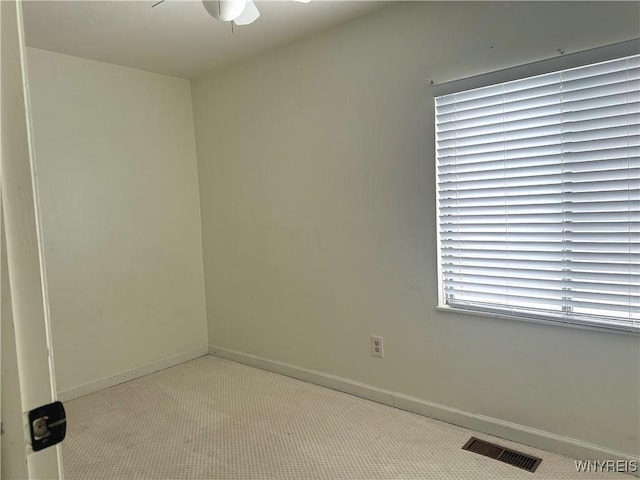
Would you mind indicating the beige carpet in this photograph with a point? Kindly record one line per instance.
(216, 419)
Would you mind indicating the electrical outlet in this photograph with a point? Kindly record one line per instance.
(376, 346)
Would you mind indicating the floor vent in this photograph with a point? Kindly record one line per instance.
(506, 455)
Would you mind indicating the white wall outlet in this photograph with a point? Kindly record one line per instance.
(376, 346)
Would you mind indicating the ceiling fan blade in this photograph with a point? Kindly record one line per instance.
(157, 3)
(249, 15)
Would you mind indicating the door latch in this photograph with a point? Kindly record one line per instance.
(47, 425)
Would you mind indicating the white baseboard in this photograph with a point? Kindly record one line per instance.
(567, 446)
(137, 372)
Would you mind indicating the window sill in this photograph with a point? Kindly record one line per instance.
(538, 320)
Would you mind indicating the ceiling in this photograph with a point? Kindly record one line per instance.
(177, 37)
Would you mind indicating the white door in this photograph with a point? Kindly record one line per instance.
(27, 378)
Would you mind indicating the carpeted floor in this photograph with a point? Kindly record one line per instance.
(216, 419)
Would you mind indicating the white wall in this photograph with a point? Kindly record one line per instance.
(316, 166)
(117, 172)
(13, 455)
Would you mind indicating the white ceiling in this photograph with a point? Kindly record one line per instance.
(177, 37)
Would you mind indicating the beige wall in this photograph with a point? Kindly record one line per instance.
(316, 166)
(121, 221)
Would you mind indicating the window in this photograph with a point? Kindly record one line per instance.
(539, 196)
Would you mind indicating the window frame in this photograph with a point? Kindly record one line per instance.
(563, 62)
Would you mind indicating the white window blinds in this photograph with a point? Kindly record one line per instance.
(539, 196)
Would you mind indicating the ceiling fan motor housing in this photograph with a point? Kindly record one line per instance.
(225, 10)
